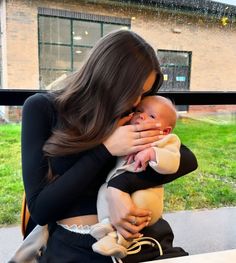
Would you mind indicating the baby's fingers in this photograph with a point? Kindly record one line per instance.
(137, 164)
(130, 158)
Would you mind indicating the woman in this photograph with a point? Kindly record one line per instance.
(70, 140)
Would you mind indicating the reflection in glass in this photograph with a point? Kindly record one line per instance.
(86, 33)
(49, 77)
(176, 68)
(55, 57)
(79, 56)
(63, 47)
(54, 30)
(173, 58)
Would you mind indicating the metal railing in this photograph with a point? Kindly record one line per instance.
(16, 97)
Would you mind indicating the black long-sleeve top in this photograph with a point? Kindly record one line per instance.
(79, 176)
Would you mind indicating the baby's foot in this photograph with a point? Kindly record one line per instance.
(108, 246)
(100, 230)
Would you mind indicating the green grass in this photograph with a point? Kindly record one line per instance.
(212, 185)
(11, 187)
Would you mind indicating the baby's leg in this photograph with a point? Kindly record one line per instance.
(152, 199)
(103, 227)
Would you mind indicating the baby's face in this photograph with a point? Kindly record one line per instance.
(148, 111)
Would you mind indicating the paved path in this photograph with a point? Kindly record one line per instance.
(200, 231)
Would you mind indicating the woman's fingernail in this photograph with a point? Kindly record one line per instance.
(147, 223)
(140, 235)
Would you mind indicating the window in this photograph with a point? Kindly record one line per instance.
(66, 38)
(176, 66)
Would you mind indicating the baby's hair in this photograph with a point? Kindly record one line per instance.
(172, 106)
(172, 102)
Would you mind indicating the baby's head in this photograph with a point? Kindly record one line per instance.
(156, 109)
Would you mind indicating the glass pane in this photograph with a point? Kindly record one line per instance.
(79, 56)
(86, 33)
(110, 27)
(54, 30)
(173, 58)
(48, 78)
(55, 57)
(176, 78)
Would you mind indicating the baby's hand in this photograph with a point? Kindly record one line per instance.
(143, 157)
(130, 158)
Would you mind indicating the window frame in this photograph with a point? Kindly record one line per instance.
(189, 53)
(73, 16)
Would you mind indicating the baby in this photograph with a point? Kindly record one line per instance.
(163, 157)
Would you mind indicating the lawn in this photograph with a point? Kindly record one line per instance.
(11, 187)
(212, 185)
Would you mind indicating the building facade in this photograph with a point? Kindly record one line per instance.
(42, 41)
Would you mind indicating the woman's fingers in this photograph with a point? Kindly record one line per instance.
(123, 140)
(146, 133)
(147, 140)
(138, 220)
(145, 126)
(150, 133)
(125, 119)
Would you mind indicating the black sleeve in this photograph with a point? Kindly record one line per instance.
(45, 200)
(130, 182)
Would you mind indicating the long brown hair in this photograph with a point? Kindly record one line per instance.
(93, 99)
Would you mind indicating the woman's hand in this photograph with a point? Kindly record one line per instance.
(130, 139)
(124, 215)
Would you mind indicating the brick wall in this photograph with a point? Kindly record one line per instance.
(212, 45)
(22, 45)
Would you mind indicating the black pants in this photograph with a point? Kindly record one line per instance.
(68, 247)
(163, 233)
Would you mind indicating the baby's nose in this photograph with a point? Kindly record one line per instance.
(143, 115)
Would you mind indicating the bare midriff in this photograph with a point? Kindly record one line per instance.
(79, 220)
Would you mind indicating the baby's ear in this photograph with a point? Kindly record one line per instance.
(167, 130)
